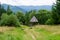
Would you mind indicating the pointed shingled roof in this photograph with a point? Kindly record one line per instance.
(33, 19)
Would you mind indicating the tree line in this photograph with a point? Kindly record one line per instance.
(45, 17)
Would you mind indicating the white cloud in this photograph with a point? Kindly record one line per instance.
(28, 2)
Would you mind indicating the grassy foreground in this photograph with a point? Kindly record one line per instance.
(38, 32)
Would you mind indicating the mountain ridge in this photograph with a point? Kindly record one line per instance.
(27, 8)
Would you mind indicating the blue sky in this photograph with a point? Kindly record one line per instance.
(28, 2)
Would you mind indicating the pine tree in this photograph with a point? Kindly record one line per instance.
(9, 11)
(56, 12)
(2, 10)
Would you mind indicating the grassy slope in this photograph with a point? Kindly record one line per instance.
(38, 32)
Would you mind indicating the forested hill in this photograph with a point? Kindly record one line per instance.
(27, 8)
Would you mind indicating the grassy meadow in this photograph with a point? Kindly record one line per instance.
(38, 32)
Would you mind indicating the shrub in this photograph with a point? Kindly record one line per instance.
(10, 20)
(4, 19)
(49, 22)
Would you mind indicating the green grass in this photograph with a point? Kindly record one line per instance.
(38, 32)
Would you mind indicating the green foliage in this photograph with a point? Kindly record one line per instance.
(4, 19)
(49, 21)
(56, 12)
(13, 21)
(9, 11)
(21, 17)
(2, 10)
(29, 15)
(32, 13)
(43, 16)
(9, 20)
(27, 18)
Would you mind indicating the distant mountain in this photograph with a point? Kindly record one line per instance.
(13, 8)
(27, 8)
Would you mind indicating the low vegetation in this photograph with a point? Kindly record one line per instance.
(38, 32)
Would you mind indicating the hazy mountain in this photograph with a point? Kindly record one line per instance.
(27, 8)
(13, 8)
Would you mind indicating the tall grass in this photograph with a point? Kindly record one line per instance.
(38, 32)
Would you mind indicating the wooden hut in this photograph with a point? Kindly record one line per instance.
(33, 20)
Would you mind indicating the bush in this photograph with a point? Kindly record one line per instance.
(4, 19)
(10, 20)
(49, 22)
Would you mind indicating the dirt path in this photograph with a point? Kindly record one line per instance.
(30, 33)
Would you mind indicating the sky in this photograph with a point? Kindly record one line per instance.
(27, 2)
